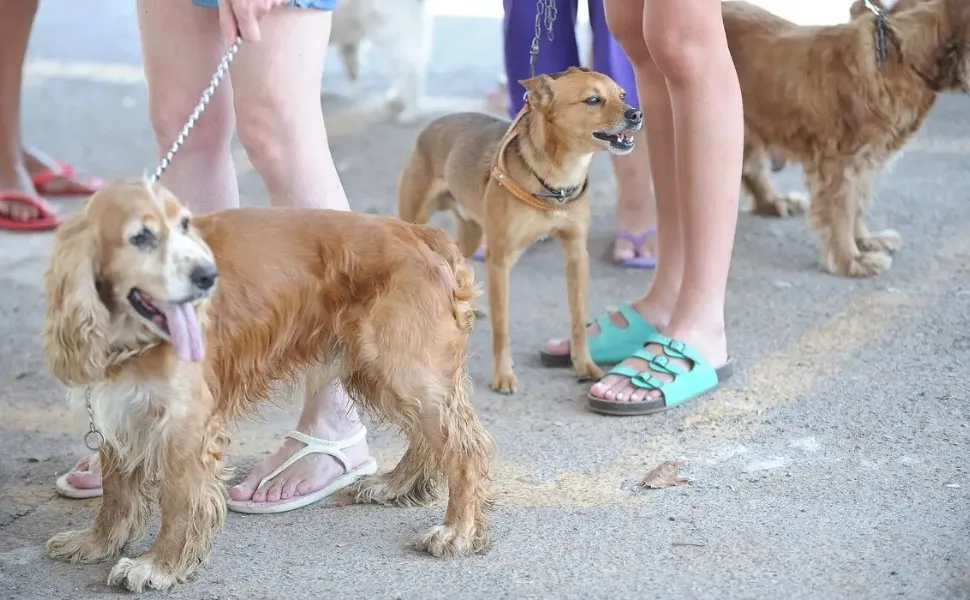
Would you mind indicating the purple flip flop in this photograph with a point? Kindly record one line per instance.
(639, 261)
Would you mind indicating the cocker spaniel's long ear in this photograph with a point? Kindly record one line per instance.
(76, 324)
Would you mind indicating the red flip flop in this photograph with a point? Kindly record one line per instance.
(79, 186)
(46, 220)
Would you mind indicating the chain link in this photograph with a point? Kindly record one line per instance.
(93, 439)
(545, 15)
(207, 93)
(882, 31)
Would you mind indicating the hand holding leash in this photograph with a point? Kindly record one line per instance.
(241, 17)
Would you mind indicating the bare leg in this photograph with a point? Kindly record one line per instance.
(687, 52)
(15, 26)
(656, 157)
(280, 122)
(636, 211)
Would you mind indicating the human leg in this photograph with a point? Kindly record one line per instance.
(625, 330)
(182, 45)
(280, 122)
(636, 218)
(18, 199)
(688, 47)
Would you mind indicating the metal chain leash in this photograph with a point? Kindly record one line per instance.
(207, 93)
(545, 15)
(882, 31)
(94, 439)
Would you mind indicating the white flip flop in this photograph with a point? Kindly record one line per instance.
(312, 446)
(65, 489)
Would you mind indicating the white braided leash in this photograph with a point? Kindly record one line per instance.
(207, 93)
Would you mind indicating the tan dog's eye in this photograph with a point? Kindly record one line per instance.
(593, 100)
(144, 240)
(184, 223)
(623, 96)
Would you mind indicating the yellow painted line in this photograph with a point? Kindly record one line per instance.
(95, 72)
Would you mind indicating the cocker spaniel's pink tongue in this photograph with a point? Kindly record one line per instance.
(183, 327)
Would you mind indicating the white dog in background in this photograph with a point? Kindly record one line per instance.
(400, 32)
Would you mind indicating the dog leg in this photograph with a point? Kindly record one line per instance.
(757, 185)
(836, 190)
(417, 190)
(887, 240)
(193, 504)
(122, 517)
(577, 291)
(413, 482)
(469, 236)
(350, 56)
(499, 262)
(465, 451)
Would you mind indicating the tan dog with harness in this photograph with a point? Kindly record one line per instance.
(521, 181)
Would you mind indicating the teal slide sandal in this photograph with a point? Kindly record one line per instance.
(613, 344)
(688, 383)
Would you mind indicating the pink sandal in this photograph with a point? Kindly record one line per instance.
(45, 220)
(77, 185)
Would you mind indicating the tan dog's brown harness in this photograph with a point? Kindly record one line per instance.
(562, 197)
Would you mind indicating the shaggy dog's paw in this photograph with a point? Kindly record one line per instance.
(445, 540)
(587, 370)
(505, 383)
(136, 574)
(783, 206)
(79, 546)
(865, 264)
(378, 489)
(887, 241)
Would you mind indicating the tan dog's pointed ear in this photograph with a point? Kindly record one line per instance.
(538, 90)
(76, 323)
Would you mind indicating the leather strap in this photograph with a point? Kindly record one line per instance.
(501, 175)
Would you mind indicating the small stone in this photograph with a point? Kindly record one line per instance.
(952, 486)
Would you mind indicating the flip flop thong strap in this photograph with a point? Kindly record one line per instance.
(637, 240)
(314, 445)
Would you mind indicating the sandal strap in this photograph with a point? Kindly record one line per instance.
(314, 445)
(661, 363)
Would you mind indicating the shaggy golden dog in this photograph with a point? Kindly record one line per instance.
(817, 96)
(168, 358)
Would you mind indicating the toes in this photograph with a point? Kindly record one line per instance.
(289, 489)
(557, 347)
(85, 480)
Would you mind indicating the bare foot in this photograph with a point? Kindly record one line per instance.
(17, 182)
(712, 347)
(307, 475)
(648, 309)
(630, 248)
(58, 179)
(86, 475)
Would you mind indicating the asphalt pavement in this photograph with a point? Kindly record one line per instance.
(834, 466)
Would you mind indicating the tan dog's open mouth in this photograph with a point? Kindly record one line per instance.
(178, 323)
(620, 142)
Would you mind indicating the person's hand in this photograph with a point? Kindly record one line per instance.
(241, 17)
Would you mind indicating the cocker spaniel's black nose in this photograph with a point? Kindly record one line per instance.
(204, 276)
